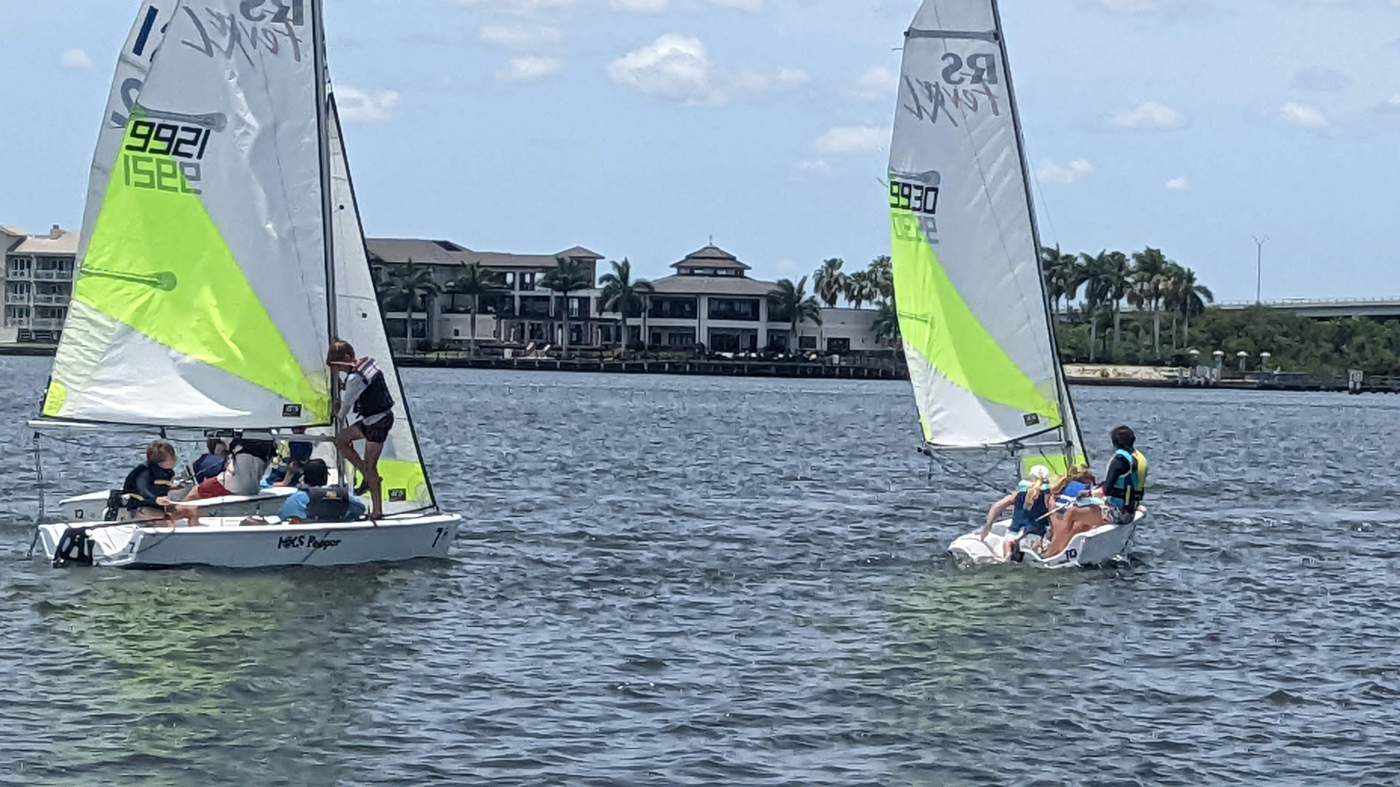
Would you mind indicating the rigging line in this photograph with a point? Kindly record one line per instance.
(39, 487)
(1043, 204)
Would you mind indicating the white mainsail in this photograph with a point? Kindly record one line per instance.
(972, 306)
(201, 296)
(359, 321)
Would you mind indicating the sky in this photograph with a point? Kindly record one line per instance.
(643, 128)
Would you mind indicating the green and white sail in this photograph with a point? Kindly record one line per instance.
(359, 321)
(201, 296)
(972, 307)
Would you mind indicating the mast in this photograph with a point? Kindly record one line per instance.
(323, 144)
(1061, 387)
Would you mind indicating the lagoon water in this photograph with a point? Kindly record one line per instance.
(674, 581)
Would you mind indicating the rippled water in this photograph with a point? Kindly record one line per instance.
(674, 580)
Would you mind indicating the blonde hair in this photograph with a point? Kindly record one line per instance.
(1033, 493)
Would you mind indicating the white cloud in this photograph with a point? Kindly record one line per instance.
(522, 7)
(529, 69)
(742, 5)
(359, 106)
(1319, 79)
(811, 168)
(1303, 115)
(771, 81)
(1179, 184)
(76, 60)
(640, 6)
(1391, 104)
(852, 139)
(519, 37)
(1064, 174)
(673, 67)
(876, 84)
(1149, 115)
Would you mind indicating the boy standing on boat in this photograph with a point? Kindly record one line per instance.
(366, 397)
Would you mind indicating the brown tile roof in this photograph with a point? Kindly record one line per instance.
(712, 285)
(711, 257)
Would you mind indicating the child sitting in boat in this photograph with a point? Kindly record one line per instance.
(316, 502)
(1031, 513)
(146, 490)
(288, 471)
(243, 469)
(366, 397)
(213, 460)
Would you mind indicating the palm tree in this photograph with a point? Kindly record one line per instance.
(886, 324)
(1189, 297)
(474, 281)
(1061, 276)
(859, 289)
(567, 276)
(1150, 268)
(881, 276)
(830, 283)
(623, 295)
(411, 286)
(1118, 282)
(793, 301)
(1093, 275)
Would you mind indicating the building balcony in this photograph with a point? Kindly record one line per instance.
(46, 299)
(19, 298)
(51, 275)
(44, 324)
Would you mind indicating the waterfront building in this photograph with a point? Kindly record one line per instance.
(709, 300)
(520, 311)
(38, 283)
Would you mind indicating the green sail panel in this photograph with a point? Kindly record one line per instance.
(201, 298)
(971, 303)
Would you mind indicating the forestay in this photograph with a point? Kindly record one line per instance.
(358, 321)
(201, 295)
(972, 306)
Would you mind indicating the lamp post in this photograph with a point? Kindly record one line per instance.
(1259, 268)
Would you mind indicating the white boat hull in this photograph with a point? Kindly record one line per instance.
(90, 507)
(223, 543)
(1096, 547)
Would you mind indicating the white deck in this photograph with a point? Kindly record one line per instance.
(1096, 547)
(222, 542)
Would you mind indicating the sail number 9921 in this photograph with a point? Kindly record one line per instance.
(914, 196)
(164, 156)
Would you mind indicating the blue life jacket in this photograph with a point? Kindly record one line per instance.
(1070, 494)
(1034, 520)
(1127, 488)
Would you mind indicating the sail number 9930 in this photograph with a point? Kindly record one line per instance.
(914, 196)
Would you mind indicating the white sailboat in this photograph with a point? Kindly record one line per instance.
(222, 250)
(977, 329)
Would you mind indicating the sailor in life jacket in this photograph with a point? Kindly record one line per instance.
(366, 397)
(1126, 480)
(1030, 511)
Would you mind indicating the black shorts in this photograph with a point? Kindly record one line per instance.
(378, 432)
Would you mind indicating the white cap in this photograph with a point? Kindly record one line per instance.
(1040, 473)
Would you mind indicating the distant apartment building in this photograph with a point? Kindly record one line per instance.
(38, 276)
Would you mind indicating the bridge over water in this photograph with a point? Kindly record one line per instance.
(1324, 308)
